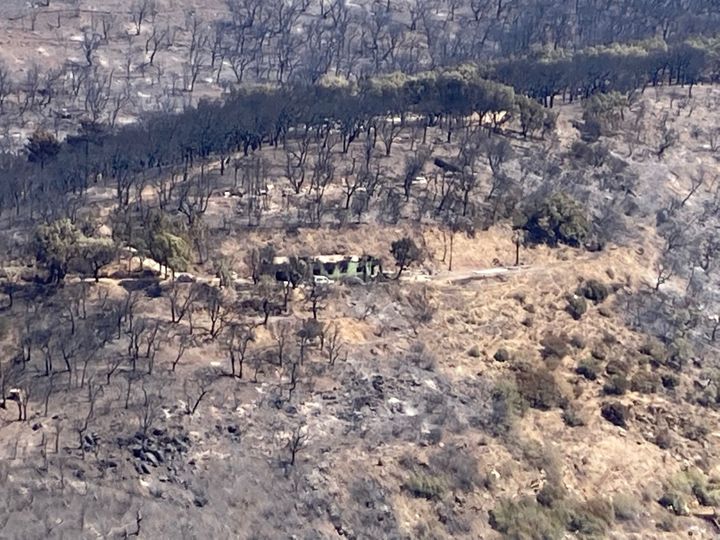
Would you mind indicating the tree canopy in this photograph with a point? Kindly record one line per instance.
(557, 219)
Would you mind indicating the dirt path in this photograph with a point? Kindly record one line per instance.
(466, 275)
(472, 275)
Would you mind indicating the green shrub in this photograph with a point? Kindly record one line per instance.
(616, 367)
(655, 350)
(590, 132)
(578, 341)
(551, 494)
(609, 338)
(457, 467)
(663, 439)
(706, 494)
(594, 291)
(502, 355)
(669, 381)
(588, 368)
(592, 154)
(591, 519)
(616, 413)
(616, 386)
(554, 345)
(558, 219)
(675, 501)
(679, 353)
(691, 482)
(645, 382)
(577, 306)
(695, 430)
(573, 417)
(527, 520)
(425, 486)
(474, 352)
(538, 388)
(667, 523)
(625, 507)
(506, 405)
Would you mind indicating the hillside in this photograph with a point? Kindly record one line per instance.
(536, 357)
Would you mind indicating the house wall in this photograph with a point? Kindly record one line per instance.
(364, 269)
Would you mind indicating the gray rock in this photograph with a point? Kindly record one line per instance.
(152, 459)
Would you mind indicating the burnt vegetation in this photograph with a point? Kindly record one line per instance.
(181, 346)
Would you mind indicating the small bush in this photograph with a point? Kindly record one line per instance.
(551, 494)
(573, 417)
(616, 386)
(593, 518)
(625, 507)
(590, 132)
(706, 495)
(502, 355)
(667, 523)
(616, 413)
(577, 306)
(425, 486)
(474, 352)
(457, 467)
(552, 363)
(526, 519)
(645, 382)
(578, 341)
(594, 291)
(154, 290)
(674, 501)
(507, 405)
(663, 439)
(421, 356)
(588, 368)
(655, 350)
(689, 483)
(609, 338)
(616, 367)
(695, 431)
(592, 154)
(679, 354)
(538, 388)
(554, 345)
(669, 381)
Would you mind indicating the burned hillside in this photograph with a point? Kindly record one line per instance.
(325, 269)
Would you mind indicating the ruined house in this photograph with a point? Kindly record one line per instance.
(334, 267)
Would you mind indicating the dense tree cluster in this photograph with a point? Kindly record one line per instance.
(557, 219)
(379, 106)
(616, 67)
(60, 246)
(244, 122)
